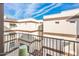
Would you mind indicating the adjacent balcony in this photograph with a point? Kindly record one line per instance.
(38, 45)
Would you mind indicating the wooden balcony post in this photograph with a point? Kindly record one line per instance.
(1, 28)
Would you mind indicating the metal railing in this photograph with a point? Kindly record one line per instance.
(41, 45)
(60, 47)
(34, 42)
(10, 43)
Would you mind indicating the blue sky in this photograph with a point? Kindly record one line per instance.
(35, 10)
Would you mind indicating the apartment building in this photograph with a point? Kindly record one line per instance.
(64, 26)
(23, 27)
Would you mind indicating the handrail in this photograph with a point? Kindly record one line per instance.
(51, 37)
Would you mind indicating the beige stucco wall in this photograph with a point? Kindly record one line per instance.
(63, 27)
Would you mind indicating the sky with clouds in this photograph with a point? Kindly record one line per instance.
(35, 10)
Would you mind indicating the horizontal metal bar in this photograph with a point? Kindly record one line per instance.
(10, 40)
(49, 37)
(58, 51)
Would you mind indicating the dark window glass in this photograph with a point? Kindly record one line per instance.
(48, 55)
(72, 21)
(13, 25)
(57, 22)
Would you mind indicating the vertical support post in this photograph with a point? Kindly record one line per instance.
(77, 38)
(42, 38)
(1, 28)
(40, 34)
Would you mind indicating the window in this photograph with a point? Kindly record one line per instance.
(12, 25)
(72, 21)
(57, 22)
(48, 54)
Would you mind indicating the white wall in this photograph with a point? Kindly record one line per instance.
(63, 27)
(26, 26)
(6, 25)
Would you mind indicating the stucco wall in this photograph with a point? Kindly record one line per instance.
(63, 27)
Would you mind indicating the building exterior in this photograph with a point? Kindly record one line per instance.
(64, 25)
(25, 26)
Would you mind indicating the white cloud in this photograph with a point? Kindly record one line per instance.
(30, 9)
(43, 9)
(57, 5)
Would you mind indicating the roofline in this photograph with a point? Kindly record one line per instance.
(22, 21)
(70, 14)
(62, 18)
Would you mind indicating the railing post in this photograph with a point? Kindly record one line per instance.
(77, 47)
(1, 29)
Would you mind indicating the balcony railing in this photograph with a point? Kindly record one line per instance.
(10, 43)
(40, 45)
(60, 47)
